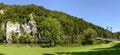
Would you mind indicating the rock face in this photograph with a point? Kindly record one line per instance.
(28, 27)
(12, 27)
(2, 11)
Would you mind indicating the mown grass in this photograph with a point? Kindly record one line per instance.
(101, 49)
(24, 50)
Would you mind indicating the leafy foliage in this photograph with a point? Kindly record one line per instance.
(90, 35)
(50, 29)
(57, 27)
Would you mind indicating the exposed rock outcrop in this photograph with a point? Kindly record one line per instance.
(28, 27)
(2, 11)
(12, 27)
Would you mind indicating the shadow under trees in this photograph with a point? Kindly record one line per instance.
(115, 50)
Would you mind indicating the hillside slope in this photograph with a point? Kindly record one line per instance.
(54, 26)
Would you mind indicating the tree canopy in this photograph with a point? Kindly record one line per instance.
(50, 29)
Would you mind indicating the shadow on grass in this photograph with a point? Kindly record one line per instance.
(115, 50)
(48, 54)
(2, 54)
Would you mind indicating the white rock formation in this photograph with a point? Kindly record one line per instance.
(1, 11)
(12, 27)
(28, 27)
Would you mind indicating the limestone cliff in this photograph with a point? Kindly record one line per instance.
(2, 11)
(29, 27)
(12, 27)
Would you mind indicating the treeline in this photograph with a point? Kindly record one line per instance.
(56, 27)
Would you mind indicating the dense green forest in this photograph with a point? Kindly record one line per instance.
(55, 26)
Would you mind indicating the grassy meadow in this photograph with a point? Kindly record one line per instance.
(101, 49)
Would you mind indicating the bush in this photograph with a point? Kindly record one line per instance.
(26, 39)
(2, 36)
(15, 38)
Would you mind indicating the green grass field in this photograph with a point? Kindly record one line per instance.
(102, 49)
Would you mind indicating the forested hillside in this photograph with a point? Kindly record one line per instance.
(54, 26)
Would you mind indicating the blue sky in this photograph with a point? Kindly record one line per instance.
(99, 12)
